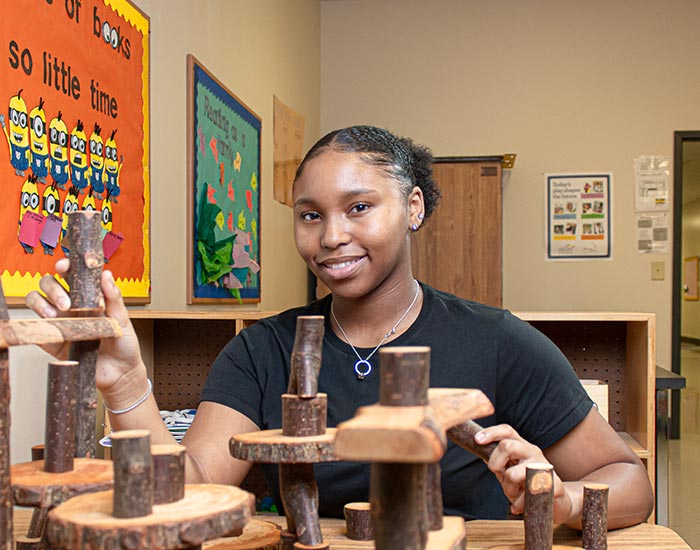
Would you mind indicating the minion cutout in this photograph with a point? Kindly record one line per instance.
(70, 204)
(89, 202)
(106, 220)
(58, 151)
(18, 135)
(50, 208)
(97, 162)
(78, 157)
(39, 142)
(112, 168)
(29, 202)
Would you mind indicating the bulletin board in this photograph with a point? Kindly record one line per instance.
(74, 108)
(223, 211)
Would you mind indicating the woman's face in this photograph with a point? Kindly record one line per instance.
(351, 223)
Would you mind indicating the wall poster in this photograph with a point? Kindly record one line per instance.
(578, 216)
(74, 111)
(223, 211)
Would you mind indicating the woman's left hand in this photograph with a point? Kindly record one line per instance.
(509, 461)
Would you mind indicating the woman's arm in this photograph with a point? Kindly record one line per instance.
(592, 451)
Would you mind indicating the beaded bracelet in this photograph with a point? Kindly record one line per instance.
(136, 403)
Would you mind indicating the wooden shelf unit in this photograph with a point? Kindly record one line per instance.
(616, 348)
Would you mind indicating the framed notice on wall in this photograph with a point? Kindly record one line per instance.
(578, 210)
(223, 213)
(74, 101)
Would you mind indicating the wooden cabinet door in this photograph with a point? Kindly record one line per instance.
(460, 250)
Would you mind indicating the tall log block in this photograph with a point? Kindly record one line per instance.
(463, 435)
(306, 356)
(84, 235)
(404, 376)
(433, 498)
(133, 473)
(539, 506)
(61, 401)
(5, 485)
(299, 494)
(168, 473)
(594, 516)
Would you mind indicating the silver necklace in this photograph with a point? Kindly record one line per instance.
(364, 363)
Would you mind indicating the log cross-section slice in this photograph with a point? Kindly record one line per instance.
(32, 486)
(271, 447)
(206, 512)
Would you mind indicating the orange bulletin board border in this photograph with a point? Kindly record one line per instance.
(74, 110)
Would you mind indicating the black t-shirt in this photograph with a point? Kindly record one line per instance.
(530, 382)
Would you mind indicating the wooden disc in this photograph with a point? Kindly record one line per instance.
(257, 535)
(32, 486)
(522, 547)
(207, 512)
(271, 447)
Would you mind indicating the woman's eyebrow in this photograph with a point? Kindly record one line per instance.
(352, 193)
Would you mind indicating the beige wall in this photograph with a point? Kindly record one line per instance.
(257, 49)
(568, 86)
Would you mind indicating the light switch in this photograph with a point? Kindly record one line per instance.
(658, 271)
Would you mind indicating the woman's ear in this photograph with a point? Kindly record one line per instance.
(416, 207)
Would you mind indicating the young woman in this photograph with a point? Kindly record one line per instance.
(358, 195)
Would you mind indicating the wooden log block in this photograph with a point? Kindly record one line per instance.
(5, 485)
(452, 406)
(433, 496)
(539, 506)
(358, 521)
(391, 434)
(28, 543)
(594, 516)
(168, 473)
(61, 401)
(38, 452)
(133, 473)
(272, 447)
(304, 417)
(306, 356)
(299, 494)
(207, 512)
(463, 435)
(23, 332)
(404, 376)
(397, 512)
(86, 259)
(288, 538)
(257, 535)
(38, 522)
(32, 486)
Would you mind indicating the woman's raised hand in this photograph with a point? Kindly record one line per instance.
(509, 462)
(118, 357)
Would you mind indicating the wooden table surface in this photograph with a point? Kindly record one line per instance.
(482, 535)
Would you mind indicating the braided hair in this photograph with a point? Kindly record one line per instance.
(409, 163)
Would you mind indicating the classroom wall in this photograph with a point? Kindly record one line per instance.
(257, 49)
(568, 86)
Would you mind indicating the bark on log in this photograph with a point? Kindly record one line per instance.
(594, 517)
(271, 447)
(38, 522)
(404, 376)
(61, 401)
(299, 494)
(168, 473)
(463, 435)
(288, 538)
(306, 356)
(539, 506)
(133, 473)
(358, 521)
(86, 259)
(302, 417)
(5, 483)
(28, 543)
(397, 506)
(257, 535)
(207, 512)
(85, 353)
(32, 486)
(38, 452)
(22, 332)
(433, 486)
